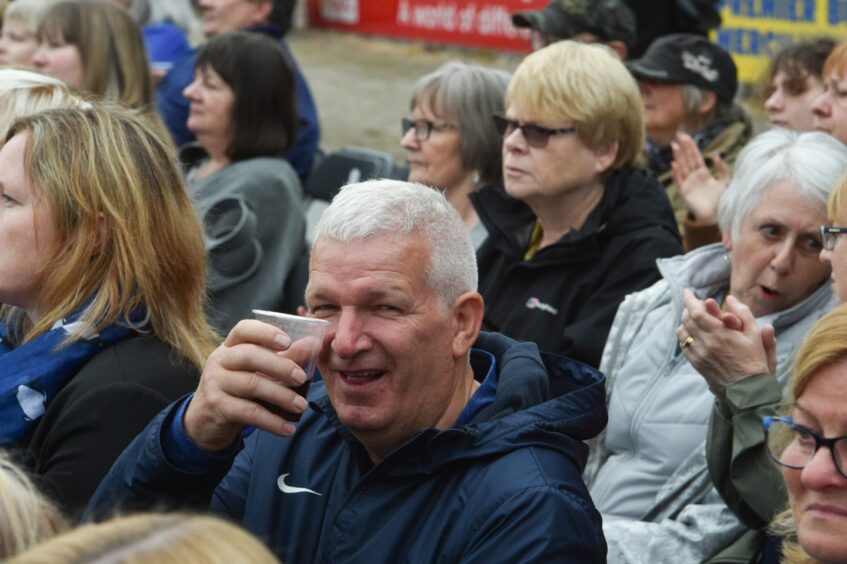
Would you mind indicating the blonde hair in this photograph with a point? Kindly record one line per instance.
(152, 538)
(837, 207)
(585, 84)
(111, 48)
(26, 517)
(114, 189)
(825, 345)
(836, 62)
(23, 93)
(27, 12)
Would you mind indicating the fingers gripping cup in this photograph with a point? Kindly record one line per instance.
(306, 336)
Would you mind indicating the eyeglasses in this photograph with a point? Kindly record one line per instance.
(792, 445)
(423, 127)
(829, 236)
(536, 136)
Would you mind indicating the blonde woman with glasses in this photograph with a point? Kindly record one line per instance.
(809, 445)
(573, 228)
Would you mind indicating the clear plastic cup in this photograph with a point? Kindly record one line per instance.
(304, 332)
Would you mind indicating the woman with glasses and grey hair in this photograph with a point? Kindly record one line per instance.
(451, 141)
(670, 367)
(573, 227)
(735, 355)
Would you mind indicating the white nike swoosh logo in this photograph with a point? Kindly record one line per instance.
(285, 488)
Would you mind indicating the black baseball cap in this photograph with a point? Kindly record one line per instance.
(609, 20)
(683, 58)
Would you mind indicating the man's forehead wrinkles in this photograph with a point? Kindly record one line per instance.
(369, 285)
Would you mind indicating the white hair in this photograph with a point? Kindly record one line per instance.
(24, 92)
(16, 79)
(27, 517)
(368, 208)
(28, 12)
(812, 162)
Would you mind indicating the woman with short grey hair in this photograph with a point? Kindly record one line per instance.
(451, 140)
(648, 474)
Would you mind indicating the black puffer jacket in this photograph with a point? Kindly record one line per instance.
(565, 297)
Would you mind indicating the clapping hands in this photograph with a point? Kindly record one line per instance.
(728, 345)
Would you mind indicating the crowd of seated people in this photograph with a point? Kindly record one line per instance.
(595, 323)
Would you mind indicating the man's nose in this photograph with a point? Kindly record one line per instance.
(350, 336)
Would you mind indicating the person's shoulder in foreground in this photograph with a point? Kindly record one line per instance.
(454, 446)
(127, 383)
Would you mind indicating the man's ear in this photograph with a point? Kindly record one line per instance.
(467, 315)
(710, 100)
(619, 47)
(264, 8)
(606, 155)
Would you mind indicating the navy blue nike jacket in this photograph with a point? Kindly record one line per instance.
(506, 487)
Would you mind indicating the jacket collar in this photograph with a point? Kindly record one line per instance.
(542, 400)
(707, 270)
(632, 200)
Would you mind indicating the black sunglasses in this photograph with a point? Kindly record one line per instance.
(536, 136)
(829, 236)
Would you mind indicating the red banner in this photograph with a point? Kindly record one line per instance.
(459, 22)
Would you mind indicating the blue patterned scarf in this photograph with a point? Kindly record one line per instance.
(32, 374)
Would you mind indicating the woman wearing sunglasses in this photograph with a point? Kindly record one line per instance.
(809, 445)
(574, 227)
(450, 139)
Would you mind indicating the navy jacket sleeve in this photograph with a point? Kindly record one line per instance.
(528, 527)
(143, 478)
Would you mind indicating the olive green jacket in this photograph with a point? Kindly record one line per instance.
(747, 480)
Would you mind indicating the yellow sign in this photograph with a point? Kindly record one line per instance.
(755, 30)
